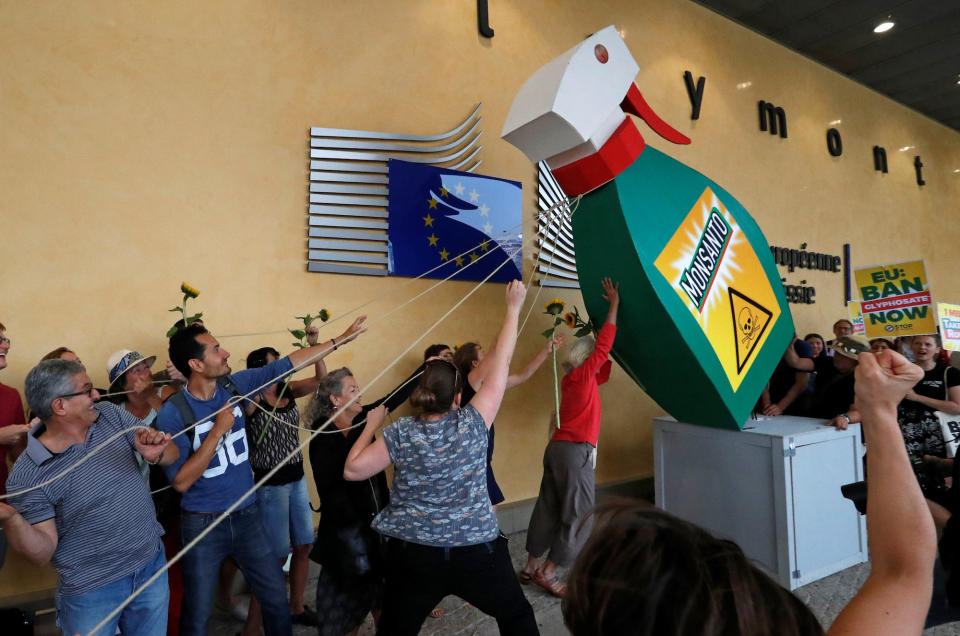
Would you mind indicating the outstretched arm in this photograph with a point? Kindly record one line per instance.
(322, 350)
(896, 596)
(519, 378)
(488, 398)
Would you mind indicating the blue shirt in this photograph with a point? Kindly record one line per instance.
(106, 523)
(439, 495)
(228, 475)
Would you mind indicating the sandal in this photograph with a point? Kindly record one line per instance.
(525, 577)
(553, 585)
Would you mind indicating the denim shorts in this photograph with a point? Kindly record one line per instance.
(286, 515)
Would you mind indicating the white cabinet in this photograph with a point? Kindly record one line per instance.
(773, 488)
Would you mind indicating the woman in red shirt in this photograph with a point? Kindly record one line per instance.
(567, 489)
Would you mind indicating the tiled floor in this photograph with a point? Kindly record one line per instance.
(825, 597)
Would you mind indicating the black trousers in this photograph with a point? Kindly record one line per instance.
(419, 576)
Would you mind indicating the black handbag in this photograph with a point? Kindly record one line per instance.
(347, 551)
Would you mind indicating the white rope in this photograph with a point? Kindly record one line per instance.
(234, 400)
(299, 448)
(393, 290)
(556, 240)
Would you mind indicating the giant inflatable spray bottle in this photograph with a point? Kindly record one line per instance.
(703, 315)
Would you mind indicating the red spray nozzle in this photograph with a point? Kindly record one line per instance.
(635, 104)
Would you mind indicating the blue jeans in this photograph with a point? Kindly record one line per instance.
(242, 538)
(146, 614)
(286, 515)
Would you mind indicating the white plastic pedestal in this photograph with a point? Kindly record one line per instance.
(773, 488)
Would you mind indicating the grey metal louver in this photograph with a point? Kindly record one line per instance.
(556, 259)
(348, 217)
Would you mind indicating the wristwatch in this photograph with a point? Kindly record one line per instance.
(845, 416)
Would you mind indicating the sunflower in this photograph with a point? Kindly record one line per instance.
(570, 319)
(189, 291)
(554, 307)
(324, 315)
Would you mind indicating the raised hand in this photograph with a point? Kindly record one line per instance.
(883, 379)
(352, 331)
(611, 291)
(375, 417)
(516, 292)
(313, 334)
(141, 384)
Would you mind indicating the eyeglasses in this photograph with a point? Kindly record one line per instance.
(87, 392)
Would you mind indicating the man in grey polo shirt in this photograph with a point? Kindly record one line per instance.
(97, 524)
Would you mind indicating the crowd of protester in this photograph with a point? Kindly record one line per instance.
(158, 462)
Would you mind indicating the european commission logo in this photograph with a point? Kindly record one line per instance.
(386, 203)
(462, 224)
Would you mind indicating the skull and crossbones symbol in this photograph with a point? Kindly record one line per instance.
(747, 325)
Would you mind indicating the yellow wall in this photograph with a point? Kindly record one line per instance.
(145, 143)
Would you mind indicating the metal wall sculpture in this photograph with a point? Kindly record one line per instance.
(349, 186)
(556, 259)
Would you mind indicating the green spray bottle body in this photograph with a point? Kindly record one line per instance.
(701, 326)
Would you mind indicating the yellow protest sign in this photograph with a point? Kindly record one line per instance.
(856, 317)
(895, 300)
(949, 325)
(710, 264)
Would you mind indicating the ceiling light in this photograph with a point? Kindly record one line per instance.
(743, 85)
(906, 148)
(835, 122)
(883, 27)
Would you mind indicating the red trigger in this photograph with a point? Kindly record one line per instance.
(635, 104)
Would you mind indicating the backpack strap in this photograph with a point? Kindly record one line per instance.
(187, 416)
(228, 385)
(179, 400)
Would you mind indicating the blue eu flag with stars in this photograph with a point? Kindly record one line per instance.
(464, 224)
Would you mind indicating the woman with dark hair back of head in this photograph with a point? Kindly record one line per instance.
(351, 579)
(442, 532)
(648, 573)
(470, 359)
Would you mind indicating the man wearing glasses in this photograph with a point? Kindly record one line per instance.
(97, 524)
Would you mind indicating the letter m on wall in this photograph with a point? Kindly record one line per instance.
(772, 117)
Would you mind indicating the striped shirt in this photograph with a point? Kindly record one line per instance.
(439, 495)
(106, 523)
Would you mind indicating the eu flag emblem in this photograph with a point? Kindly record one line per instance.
(465, 225)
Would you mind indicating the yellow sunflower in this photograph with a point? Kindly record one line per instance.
(570, 319)
(554, 307)
(189, 291)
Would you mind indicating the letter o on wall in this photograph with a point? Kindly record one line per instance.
(834, 143)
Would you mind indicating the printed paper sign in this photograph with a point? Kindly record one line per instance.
(949, 325)
(856, 317)
(714, 270)
(895, 300)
